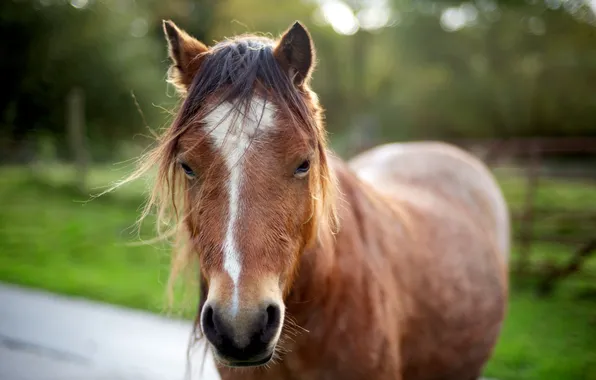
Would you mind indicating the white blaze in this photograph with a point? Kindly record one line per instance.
(231, 131)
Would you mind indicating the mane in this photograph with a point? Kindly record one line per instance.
(230, 71)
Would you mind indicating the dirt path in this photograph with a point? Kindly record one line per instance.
(48, 337)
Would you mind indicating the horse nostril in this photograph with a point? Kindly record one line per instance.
(272, 321)
(272, 314)
(209, 325)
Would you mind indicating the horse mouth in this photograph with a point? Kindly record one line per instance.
(233, 363)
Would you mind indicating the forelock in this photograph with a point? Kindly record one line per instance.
(231, 72)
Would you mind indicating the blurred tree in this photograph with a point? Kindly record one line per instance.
(55, 46)
(387, 69)
(483, 69)
(110, 49)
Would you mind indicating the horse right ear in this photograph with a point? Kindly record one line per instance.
(186, 53)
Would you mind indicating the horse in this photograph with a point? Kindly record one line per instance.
(390, 265)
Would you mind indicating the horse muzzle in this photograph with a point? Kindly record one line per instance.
(243, 337)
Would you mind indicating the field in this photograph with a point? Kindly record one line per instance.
(53, 237)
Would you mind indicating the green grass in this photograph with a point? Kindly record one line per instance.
(545, 339)
(51, 238)
(575, 196)
(571, 194)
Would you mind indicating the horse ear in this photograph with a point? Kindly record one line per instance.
(296, 54)
(186, 53)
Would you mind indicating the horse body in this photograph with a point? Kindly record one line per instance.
(392, 265)
(414, 284)
(453, 264)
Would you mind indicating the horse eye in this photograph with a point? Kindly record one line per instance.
(187, 170)
(302, 170)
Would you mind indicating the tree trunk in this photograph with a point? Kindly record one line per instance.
(77, 135)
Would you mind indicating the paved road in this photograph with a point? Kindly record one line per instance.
(48, 337)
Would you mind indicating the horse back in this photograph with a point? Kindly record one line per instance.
(438, 172)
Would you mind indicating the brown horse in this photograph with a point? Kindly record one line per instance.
(391, 266)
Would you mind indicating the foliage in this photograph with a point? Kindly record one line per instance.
(510, 71)
(434, 69)
(54, 47)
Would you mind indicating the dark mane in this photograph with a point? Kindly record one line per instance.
(232, 69)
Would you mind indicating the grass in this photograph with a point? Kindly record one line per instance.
(51, 239)
(553, 338)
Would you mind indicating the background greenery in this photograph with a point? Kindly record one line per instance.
(387, 71)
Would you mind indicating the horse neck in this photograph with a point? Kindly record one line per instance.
(339, 265)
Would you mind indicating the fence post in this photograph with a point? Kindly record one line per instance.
(527, 220)
(75, 121)
(547, 285)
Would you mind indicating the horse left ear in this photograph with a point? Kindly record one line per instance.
(186, 53)
(296, 54)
